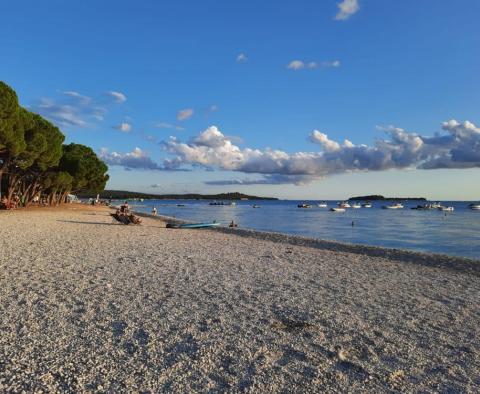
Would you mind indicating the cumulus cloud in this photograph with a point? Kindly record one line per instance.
(459, 148)
(184, 114)
(117, 96)
(134, 160)
(297, 65)
(346, 9)
(241, 58)
(137, 159)
(124, 127)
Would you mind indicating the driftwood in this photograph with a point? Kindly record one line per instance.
(126, 218)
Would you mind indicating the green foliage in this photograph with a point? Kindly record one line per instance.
(87, 170)
(35, 160)
(11, 131)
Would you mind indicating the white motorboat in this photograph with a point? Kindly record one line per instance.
(367, 205)
(255, 206)
(397, 205)
(475, 206)
(356, 206)
(448, 209)
(343, 204)
(337, 209)
(322, 204)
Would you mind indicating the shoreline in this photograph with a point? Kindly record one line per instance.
(446, 261)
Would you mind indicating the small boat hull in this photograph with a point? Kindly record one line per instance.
(193, 225)
(337, 209)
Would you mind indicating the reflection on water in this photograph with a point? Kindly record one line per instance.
(456, 233)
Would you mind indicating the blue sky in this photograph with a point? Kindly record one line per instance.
(266, 75)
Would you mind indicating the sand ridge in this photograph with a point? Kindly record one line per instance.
(91, 305)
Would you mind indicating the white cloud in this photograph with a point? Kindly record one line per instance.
(155, 185)
(185, 114)
(124, 127)
(332, 63)
(137, 159)
(241, 58)
(64, 115)
(346, 9)
(117, 96)
(460, 148)
(296, 65)
(73, 109)
(165, 125)
(77, 96)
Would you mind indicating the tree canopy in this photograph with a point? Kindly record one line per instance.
(33, 160)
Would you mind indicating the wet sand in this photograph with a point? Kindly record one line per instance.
(91, 305)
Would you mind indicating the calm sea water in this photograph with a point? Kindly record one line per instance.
(456, 233)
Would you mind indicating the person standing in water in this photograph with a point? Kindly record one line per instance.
(154, 211)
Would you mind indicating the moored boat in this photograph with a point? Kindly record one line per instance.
(343, 204)
(367, 205)
(322, 204)
(397, 205)
(304, 205)
(475, 206)
(448, 209)
(337, 209)
(356, 206)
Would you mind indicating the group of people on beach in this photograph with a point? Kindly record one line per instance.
(12, 203)
(123, 215)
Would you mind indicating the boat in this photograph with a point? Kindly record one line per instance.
(304, 205)
(448, 209)
(343, 204)
(322, 204)
(193, 225)
(255, 206)
(396, 205)
(223, 203)
(356, 206)
(337, 209)
(367, 205)
(475, 206)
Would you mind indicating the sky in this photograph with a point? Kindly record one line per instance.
(304, 99)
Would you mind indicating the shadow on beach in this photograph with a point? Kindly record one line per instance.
(79, 222)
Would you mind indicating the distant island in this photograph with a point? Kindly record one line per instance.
(377, 197)
(126, 195)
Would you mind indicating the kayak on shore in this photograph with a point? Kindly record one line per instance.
(193, 225)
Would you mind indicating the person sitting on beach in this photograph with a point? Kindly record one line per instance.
(134, 219)
(124, 208)
(4, 203)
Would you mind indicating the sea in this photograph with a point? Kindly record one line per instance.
(454, 233)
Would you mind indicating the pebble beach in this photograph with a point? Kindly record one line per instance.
(90, 305)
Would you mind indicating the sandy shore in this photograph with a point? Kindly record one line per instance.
(90, 305)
